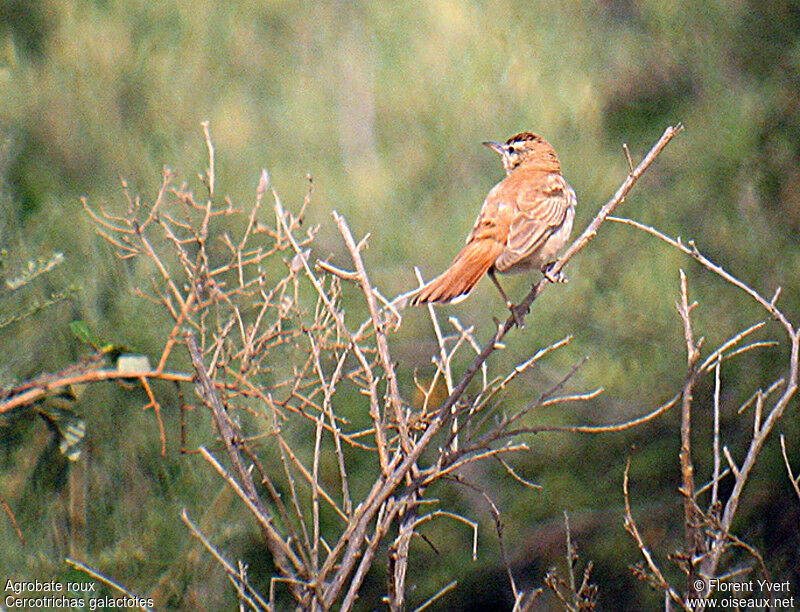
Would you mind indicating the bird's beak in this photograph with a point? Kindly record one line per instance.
(497, 147)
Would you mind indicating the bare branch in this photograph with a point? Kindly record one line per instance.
(715, 450)
(82, 567)
(607, 428)
(243, 588)
(630, 527)
(692, 251)
(380, 333)
(795, 480)
(432, 599)
(694, 541)
(241, 329)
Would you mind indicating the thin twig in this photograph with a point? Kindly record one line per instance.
(432, 599)
(400, 416)
(795, 480)
(243, 587)
(593, 429)
(693, 536)
(106, 580)
(692, 251)
(715, 450)
(630, 527)
(10, 514)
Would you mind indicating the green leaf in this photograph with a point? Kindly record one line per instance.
(80, 329)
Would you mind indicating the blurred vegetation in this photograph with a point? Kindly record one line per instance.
(385, 104)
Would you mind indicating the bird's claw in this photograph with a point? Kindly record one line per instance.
(558, 277)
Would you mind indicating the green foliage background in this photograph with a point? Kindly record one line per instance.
(385, 104)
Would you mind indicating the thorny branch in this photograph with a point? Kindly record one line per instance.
(271, 345)
(693, 543)
(708, 532)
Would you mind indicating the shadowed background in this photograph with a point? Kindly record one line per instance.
(385, 106)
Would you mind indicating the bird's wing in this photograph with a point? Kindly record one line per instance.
(540, 208)
(494, 219)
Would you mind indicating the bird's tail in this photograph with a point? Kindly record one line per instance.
(455, 283)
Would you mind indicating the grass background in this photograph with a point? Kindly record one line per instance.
(385, 104)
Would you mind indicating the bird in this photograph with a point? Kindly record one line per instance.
(524, 221)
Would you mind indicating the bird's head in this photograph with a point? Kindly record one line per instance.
(526, 149)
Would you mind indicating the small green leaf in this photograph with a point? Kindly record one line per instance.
(80, 329)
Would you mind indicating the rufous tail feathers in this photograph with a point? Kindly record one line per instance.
(466, 270)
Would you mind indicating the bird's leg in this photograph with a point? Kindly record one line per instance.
(558, 277)
(499, 288)
(515, 311)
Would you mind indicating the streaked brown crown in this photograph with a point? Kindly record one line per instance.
(527, 149)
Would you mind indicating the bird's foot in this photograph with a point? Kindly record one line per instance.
(558, 277)
(519, 311)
